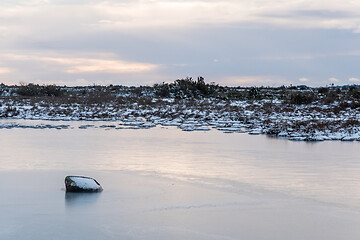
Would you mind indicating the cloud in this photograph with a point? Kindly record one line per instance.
(254, 81)
(5, 70)
(333, 80)
(179, 65)
(217, 38)
(87, 65)
(303, 79)
(95, 15)
(354, 79)
(293, 13)
(290, 57)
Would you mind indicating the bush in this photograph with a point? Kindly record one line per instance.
(323, 90)
(331, 97)
(299, 98)
(162, 90)
(354, 93)
(254, 93)
(35, 90)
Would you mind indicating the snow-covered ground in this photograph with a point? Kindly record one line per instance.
(271, 115)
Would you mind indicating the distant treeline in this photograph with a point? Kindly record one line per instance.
(186, 88)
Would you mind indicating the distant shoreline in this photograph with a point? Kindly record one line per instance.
(297, 113)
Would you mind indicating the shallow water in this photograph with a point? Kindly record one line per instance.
(163, 183)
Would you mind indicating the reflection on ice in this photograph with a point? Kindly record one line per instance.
(73, 199)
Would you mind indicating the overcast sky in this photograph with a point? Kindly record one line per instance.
(230, 42)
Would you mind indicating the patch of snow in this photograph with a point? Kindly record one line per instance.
(84, 183)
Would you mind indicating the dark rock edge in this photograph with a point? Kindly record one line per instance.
(70, 188)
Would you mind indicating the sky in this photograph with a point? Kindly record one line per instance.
(143, 42)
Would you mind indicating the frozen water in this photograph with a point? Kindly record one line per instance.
(162, 183)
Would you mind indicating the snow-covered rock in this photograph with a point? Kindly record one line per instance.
(82, 184)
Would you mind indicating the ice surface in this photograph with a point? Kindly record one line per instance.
(153, 208)
(167, 184)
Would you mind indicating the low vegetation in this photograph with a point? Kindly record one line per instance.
(276, 110)
(186, 88)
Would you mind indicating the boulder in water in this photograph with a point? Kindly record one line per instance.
(82, 184)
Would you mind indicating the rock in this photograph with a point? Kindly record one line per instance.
(82, 184)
